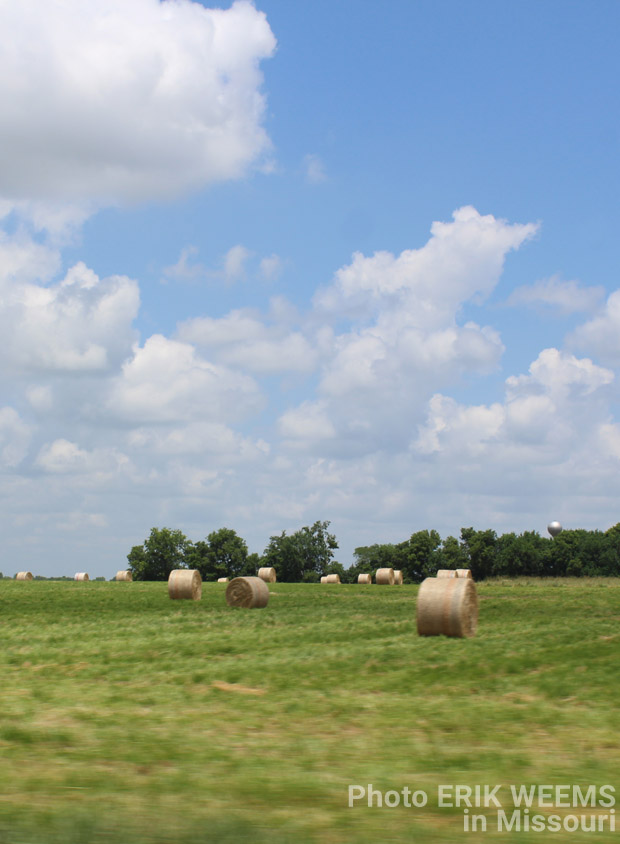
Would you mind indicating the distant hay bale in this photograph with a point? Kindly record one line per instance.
(222, 580)
(185, 584)
(81, 575)
(23, 575)
(268, 574)
(447, 607)
(398, 577)
(464, 573)
(446, 573)
(331, 578)
(247, 592)
(125, 576)
(364, 578)
(324, 579)
(384, 577)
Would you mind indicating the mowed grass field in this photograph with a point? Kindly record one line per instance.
(131, 719)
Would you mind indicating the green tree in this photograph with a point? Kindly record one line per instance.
(480, 547)
(420, 555)
(162, 552)
(223, 554)
(305, 554)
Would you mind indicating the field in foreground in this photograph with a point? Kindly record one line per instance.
(131, 719)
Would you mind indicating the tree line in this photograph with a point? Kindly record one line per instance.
(308, 554)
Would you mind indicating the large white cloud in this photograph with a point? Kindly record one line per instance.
(110, 100)
(601, 334)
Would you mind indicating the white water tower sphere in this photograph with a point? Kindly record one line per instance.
(554, 528)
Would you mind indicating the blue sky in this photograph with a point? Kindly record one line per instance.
(274, 263)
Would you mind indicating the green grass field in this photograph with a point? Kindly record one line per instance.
(131, 719)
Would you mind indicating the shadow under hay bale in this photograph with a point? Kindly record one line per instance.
(23, 575)
(364, 578)
(268, 574)
(447, 607)
(82, 576)
(185, 584)
(398, 577)
(247, 593)
(124, 576)
(384, 577)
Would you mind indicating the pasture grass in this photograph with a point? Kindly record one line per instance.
(128, 718)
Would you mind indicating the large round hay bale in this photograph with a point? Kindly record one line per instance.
(398, 577)
(331, 578)
(384, 577)
(268, 574)
(446, 573)
(447, 607)
(124, 576)
(464, 573)
(324, 579)
(247, 592)
(185, 584)
(23, 575)
(222, 580)
(81, 575)
(364, 578)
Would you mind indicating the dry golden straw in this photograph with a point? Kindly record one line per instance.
(23, 575)
(446, 573)
(247, 592)
(464, 573)
(447, 607)
(268, 574)
(81, 575)
(398, 577)
(324, 579)
(185, 584)
(125, 576)
(222, 580)
(364, 578)
(332, 578)
(384, 577)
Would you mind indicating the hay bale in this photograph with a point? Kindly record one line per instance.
(324, 579)
(364, 578)
(247, 592)
(464, 573)
(124, 576)
(268, 574)
(398, 577)
(185, 584)
(222, 580)
(331, 578)
(447, 607)
(384, 577)
(23, 575)
(446, 573)
(81, 575)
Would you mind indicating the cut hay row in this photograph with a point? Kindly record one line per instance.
(124, 576)
(447, 607)
(268, 574)
(384, 577)
(364, 578)
(247, 592)
(82, 576)
(185, 584)
(23, 575)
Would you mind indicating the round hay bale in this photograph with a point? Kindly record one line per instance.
(398, 577)
(23, 575)
(332, 578)
(124, 576)
(222, 580)
(364, 578)
(247, 592)
(446, 573)
(464, 573)
(81, 575)
(185, 584)
(324, 579)
(447, 607)
(268, 574)
(384, 577)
